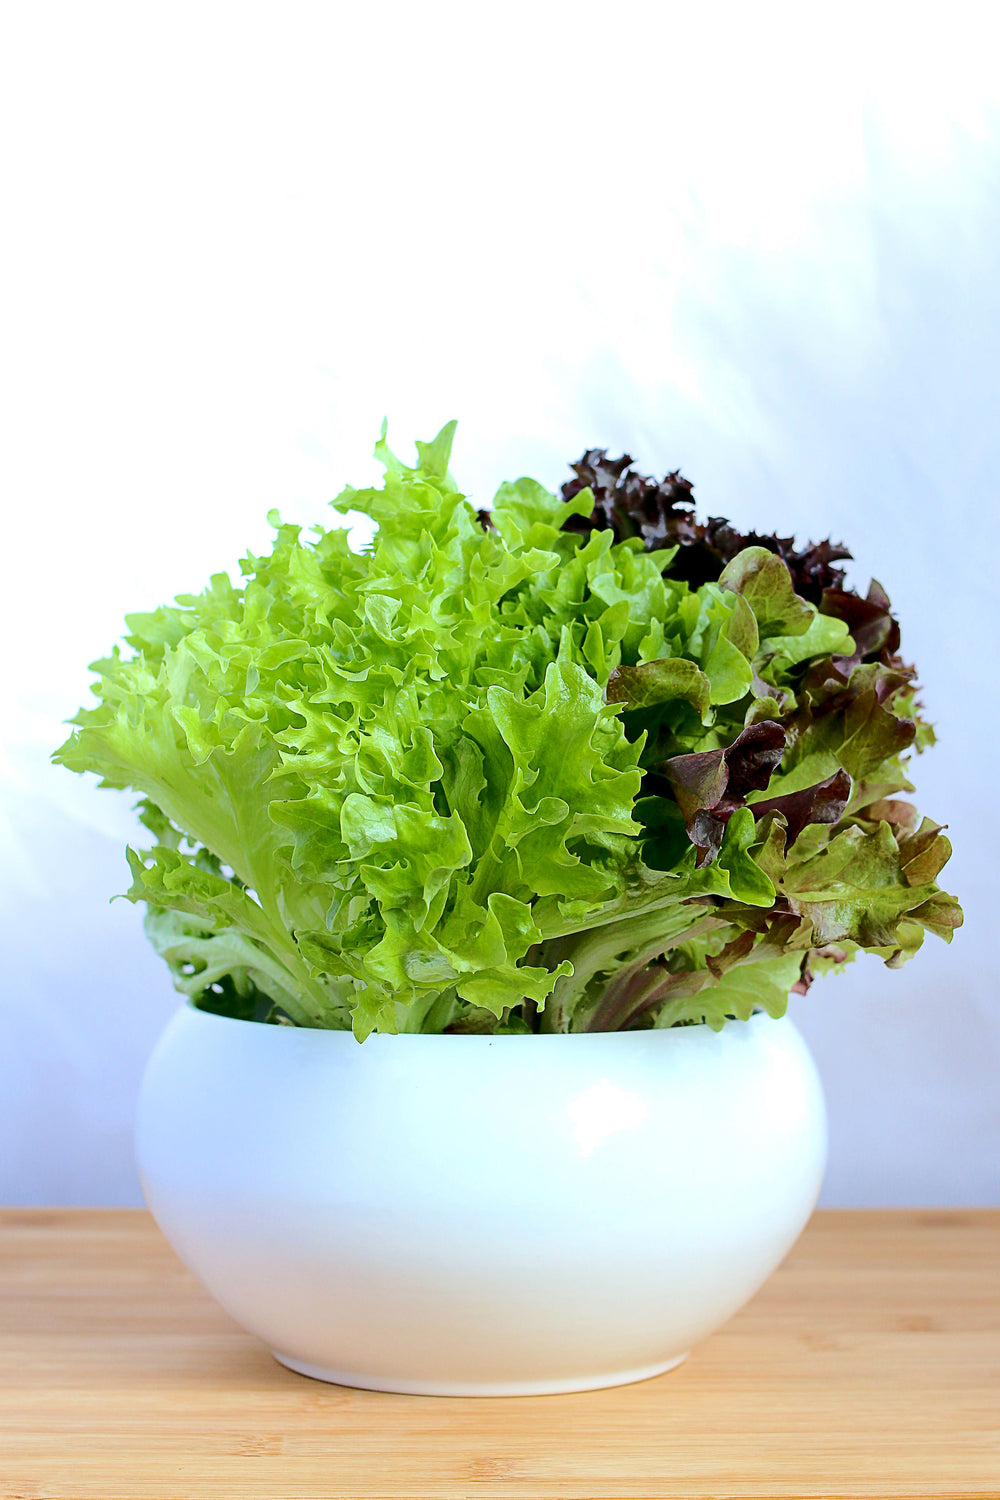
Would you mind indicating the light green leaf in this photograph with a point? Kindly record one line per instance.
(766, 584)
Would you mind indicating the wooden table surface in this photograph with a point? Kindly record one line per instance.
(868, 1366)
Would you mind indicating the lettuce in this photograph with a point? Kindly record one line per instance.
(519, 769)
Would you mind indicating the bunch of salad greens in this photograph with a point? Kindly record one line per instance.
(574, 763)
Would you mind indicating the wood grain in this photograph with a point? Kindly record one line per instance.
(869, 1366)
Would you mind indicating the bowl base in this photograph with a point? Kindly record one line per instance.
(406, 1387)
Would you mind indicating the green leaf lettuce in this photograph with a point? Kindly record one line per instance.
(513, 770)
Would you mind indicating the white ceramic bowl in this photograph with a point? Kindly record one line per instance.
(466, 1215)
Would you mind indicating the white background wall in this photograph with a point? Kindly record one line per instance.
(757, 242)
